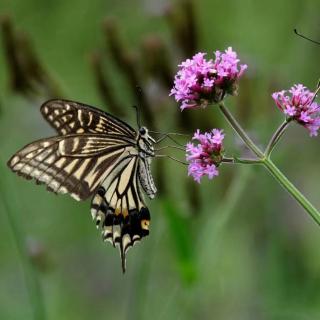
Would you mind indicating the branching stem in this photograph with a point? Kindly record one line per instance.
(264, 159)
(276, 137)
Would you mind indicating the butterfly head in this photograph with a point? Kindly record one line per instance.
(143, 131)
(145, 142)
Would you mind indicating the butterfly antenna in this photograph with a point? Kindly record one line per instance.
(138, 108)
(304, 37)
(138, 116)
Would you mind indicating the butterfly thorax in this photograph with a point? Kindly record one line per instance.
(145, 143)
(146, 152)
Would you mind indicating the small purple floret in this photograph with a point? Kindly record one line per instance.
(205, 157)
(298, 104)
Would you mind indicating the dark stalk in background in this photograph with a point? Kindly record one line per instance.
(190, 26)
(43, 82)
(156, 60)
(183, 27)
(104, 84)
(28, 76)
(19, 80)
(127, 63)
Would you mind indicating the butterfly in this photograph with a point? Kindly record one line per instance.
(95, 155)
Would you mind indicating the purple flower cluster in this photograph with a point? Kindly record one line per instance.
(205, 157)
(200, 81)
(298, 104)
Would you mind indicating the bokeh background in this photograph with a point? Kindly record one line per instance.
(238, 247)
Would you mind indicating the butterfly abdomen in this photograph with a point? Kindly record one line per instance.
(146, 179)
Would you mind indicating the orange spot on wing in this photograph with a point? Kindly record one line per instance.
(145, 224)
(118, 211)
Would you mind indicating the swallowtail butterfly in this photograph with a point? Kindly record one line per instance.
(95, 155)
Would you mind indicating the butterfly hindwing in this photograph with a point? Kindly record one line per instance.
(118, 207)
(69, 117)
(73, 164)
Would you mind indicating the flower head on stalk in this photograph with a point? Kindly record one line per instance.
(200, 82)
(205, 157)
(298, 104)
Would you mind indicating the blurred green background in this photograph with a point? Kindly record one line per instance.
(237, 247)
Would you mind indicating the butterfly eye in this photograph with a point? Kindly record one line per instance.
(142, 131)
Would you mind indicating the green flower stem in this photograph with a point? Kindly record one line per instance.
(283, 180)
(272, 168)
(276, 137)
(236, 160)
(238, 129)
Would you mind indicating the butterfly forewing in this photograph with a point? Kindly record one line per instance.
(69, 164)
(73, 117)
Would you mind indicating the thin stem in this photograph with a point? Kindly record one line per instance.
(228, 160)
(276, 137)
(236, 160)
(239, 130)
(284, 181)
(317, 91)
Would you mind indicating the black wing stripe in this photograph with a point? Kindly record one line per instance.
(87, 145)
(111, 165)
(31, 157)
(58, 175)
(25, 168)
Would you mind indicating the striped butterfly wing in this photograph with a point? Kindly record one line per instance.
(73, 164)
(119, 209)
(69, 117)
(95, 154)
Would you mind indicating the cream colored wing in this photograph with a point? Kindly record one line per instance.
(73, 164)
